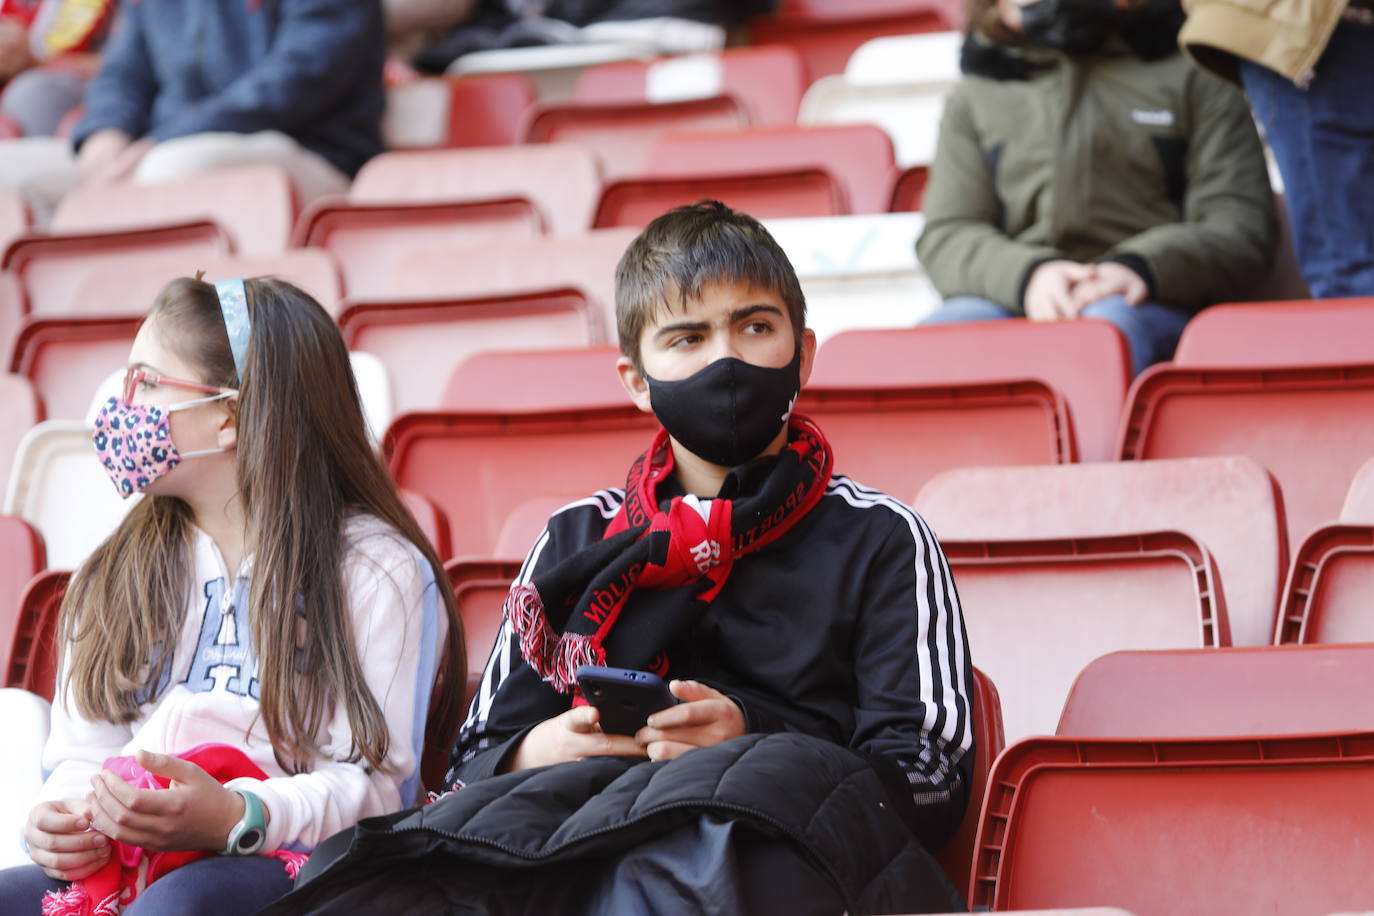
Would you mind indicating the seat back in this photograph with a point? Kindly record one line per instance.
(503, 456)
(622, 134)
(1085, 361)
(59, 488)
(763, 195)
(1359, 501)
(1070, 822)
(957, 856)
(858, 156)
(827, 32)
(561, 180)
(14, 216)
(585, 263)
(909, 190)
(421, 341)
(1312, 427)
(767, 81)
(19, 411)
(1038, 611)
(433, 524)
(479, 589)
(32, 662)
(51, 268)
(67, 358)
(21, 558)
(516, 380)
(129, 288)
(457, 111)
(1326, 598)
(932, 429)
(255, 204)
(368, 240)
(1306, 333)
(857, 271)
(1213, 693)
(1229, 505)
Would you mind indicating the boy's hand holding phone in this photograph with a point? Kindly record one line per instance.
(703, 717)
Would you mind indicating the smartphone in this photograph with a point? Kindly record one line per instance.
(626, 698)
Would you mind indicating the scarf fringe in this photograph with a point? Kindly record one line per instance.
(293, 861)
(555, 658)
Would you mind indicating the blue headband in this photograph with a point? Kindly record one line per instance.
(233, 305)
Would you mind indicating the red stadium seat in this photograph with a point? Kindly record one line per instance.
(1038, 611)
(66, 359)
(421, 341)
(858, 156)
(33, 654)
(826, 32)
(1359, 502)
(21, 558)
(130, 288)
(1327, 596)
(1229, 505)
(586, 263)
(255, 204)
(486, 109)
(1085, 361)
(368, 239)
(1308, 333)
(479, 590)
(19, 410)
(11, 310)
(1230, 827)
(763, 195)
(536, 380)
(565, 453)
(561, 180)
(9, 128)
(14, 216)
(766, 81)
(431, 520)
(51, 268)
(622, 134)
(1214, 693)
(909, 190)
(931, 429)
(1312, 427)
(524, 523)
(957, 856)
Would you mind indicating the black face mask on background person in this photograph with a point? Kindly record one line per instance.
(729, 411)
(1072, 26)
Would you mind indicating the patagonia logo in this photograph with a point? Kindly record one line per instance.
(1160, 118)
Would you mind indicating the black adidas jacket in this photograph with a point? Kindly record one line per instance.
(847, 628)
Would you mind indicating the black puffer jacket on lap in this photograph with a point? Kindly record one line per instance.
(761, 824)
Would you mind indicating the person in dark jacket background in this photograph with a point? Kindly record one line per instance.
(1086, 168)
(809, 625)
(192, 85)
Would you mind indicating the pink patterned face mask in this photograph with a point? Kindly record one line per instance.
(134, 442)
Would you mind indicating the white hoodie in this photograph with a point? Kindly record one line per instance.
(399, 628)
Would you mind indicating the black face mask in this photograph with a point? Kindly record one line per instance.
(728, 412)
(1072, 26)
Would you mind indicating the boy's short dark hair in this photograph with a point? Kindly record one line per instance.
(689, 247)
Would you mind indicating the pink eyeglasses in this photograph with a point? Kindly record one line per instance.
(142, 375)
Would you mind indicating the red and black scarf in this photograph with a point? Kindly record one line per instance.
(573, 615)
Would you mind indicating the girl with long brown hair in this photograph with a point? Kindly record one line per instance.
(269, 592)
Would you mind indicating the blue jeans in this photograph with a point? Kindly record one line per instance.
(217, 886)
(1151, 330)
(1323, 141)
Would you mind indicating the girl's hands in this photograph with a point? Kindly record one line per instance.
(571, 735)
(705, 717)
(193, 812)
(62, 843)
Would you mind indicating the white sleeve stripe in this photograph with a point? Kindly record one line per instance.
(505, 654)
(956, 731)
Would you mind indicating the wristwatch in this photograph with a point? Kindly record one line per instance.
(247, 836)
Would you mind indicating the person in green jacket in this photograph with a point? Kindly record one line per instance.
(1085, 168)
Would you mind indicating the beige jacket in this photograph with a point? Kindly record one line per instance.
(1287, 36)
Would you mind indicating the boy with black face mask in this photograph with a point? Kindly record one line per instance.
(1086, 169)
(822, 747)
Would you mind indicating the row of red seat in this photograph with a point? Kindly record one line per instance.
(1163, 760)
